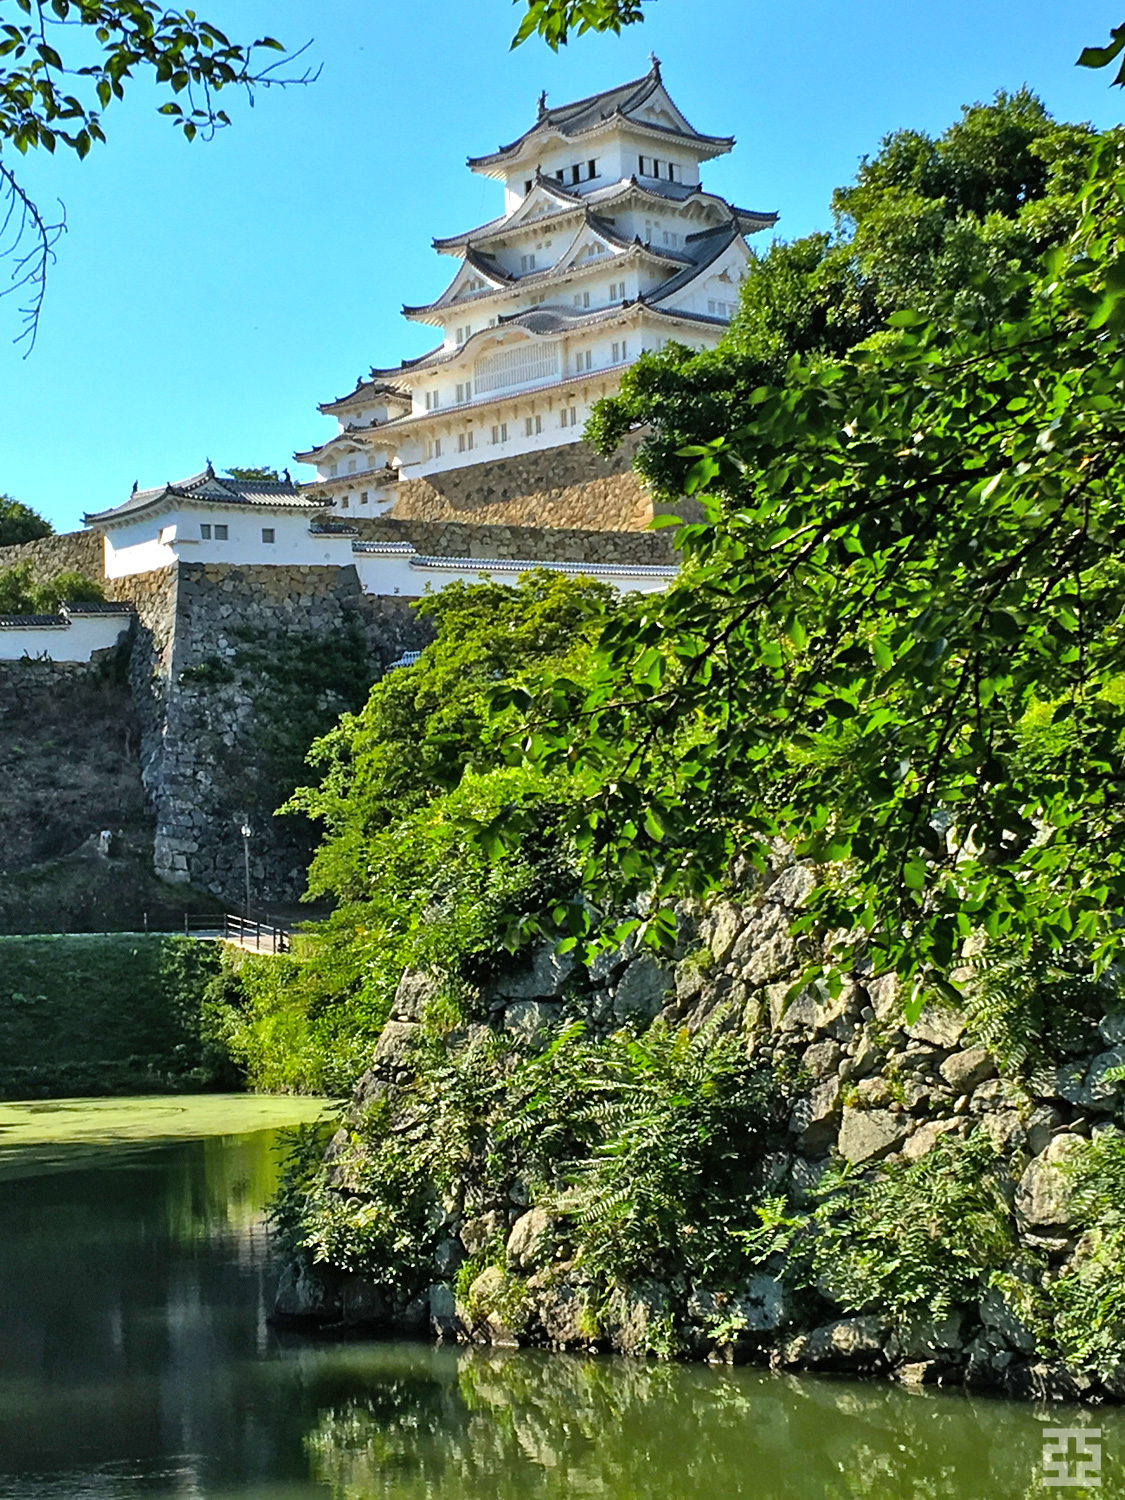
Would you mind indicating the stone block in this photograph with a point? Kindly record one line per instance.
(530, 1241)
(1043, 1196)
(871, 1134)
(963, 1071)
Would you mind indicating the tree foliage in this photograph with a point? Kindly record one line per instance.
(897, 639)
(19, 523)
(22, 594)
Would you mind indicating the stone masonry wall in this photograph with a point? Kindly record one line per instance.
(224, 716)
(570, 486)
(68, 552)
(863, 1088)
(470, 539)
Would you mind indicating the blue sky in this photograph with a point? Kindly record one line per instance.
(206, 297)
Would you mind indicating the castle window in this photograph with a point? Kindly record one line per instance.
(527, 262)
(592, 168)
(464, 442)
(617, 291)
(532, 426)
(620, 352)
(222, 533)
(576, 174)
(344, 501)
(672, 169)
(433, 400)
(527, 185)
(268, 534)
(568, 417)
(363, 499)
(464, 391)
(351, 465)
(437, 447)
(205, 532)
(559, 176)
(642, 160)
(332, 468)
(582, 299)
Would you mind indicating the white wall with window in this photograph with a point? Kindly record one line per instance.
(240, 536)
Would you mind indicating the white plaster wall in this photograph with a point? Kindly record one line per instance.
(76, 642)
(157, 542)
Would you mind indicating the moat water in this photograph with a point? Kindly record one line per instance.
(137, 1360)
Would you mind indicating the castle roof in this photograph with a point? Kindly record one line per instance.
(365, 391)
(643, 103)
(207, 488)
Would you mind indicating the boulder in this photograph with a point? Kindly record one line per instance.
(1004, 1323)
(847, 1343)
(448, 1257)
(938, 1025)
(641, 989)
(763, 1304)
(722, 928)
(530, 1242)
(871, 1134)
(645, 1318)
(487, 1296)
(1103, 1092)
(563, 1315)
(821, 1059)
(544, 977)
(1112, 1028)
(926, 1137)
(415, 991)
(308, 1292)
(928, 1339)
(530, 1020)
(815, 1116)
(477, 1234)
(882, 995)
(963, 1071)
(392, 1051)
(1043, 1195)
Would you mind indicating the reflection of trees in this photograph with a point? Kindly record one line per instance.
(515, 1425)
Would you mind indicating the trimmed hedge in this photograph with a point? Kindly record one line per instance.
(106, 1013)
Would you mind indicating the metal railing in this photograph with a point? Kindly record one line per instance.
(259, 937)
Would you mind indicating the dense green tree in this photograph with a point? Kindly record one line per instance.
(897, 639)
(19, 523)
(926, 220)
(22, 594)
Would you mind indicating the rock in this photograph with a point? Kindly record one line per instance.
(791, 886)
(607, 961)
(487, 1296)
(644, 1324)
(874, 1093)
(999, 1319)
(641, 990)
(866, 1059)
(821, 1059)
(883, 996)
(447, 1257)
(962, 1071)
(531, 1240)
(915, 1094)
(530, 1020)
(927, 1136)
(363, 1304)
(871, 1134)
(920, 1372)
(765, 948)
(415, 991)
(444, 1319)
(690, 977)
(1003, 1128)
(763, 1303)
(308, 1292)
(815, 1116)
(1067, 1082)
(1103, 1093)
(804, 1178)
(563, 1315)
(543, 978)
(1112, 1028)
(928, 1338)
(723, 927)
(477, 1234)
(846, 1343)
(939, 1025)
(392, 1051)
(1043, 1195)
(1042, 1124)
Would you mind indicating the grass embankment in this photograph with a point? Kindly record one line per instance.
(116, 1013)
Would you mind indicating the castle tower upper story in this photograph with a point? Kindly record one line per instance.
(608, 246)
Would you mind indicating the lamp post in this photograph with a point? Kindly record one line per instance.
(245, 831)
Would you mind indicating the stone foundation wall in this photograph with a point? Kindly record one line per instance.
(230, 713)
(471, 539)
(69, 552)
(570, 486)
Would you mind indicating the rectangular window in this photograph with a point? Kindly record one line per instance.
(617, 291)
(672, 169)
(433, 400)
(351, 465)
(205, 532)
(527, 262)
(527, 185)
(559, 176)
(620, 352)
(655, 167)
(332, 471)
(503, 432)
(464, 442)
(363, 498)
(460, 393)
(437, 447)
(532, 426)
(575, 174)
(495, 433)
(222, 533)
(582, 299)
(592, 168)
(344, 499)
(568, 417)
(268, 534)
(641, 159)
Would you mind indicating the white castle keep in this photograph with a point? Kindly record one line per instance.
(608, 246)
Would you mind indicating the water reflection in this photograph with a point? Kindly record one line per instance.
(136, 1359)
